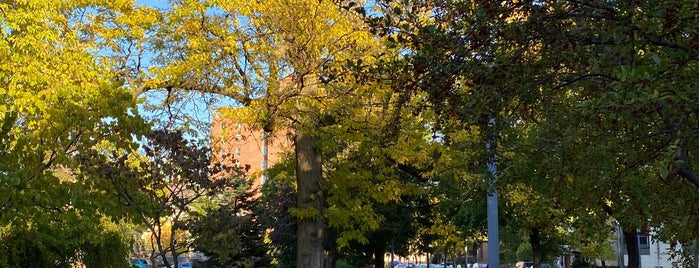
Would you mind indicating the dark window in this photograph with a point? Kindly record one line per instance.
(643, 245)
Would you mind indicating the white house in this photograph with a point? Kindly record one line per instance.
(653, 253)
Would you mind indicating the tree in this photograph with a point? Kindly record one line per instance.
(230, 233)
(245, 50)
(161, 185)
(474, 71)
(621, 65)
(57, 100)
(602, 80)
(278, 197)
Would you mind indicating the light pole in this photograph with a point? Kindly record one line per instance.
(493, 231)
(392, 252)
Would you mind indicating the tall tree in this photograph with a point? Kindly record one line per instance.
(475, 71)
(273, 52)
(617, 73)
(624, 68)
(57, 99)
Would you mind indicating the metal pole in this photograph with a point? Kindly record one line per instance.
(493, 231)
(265, 157)
(392, 252)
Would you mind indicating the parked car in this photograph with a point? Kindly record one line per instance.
(138, 263)
(184, 265)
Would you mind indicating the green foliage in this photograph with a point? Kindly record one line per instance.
(567, 82)
(64, 243)
(57, 99)
(524, 252)
(278, 197)
(597, 100)
(231, 235)
(109, 247)
(160, 184)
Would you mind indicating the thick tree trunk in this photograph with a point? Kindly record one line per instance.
(535, 241)
(631, 240)
(308, 175)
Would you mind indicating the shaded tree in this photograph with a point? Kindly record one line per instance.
(597, 80)
(160, 184)
(230, 233)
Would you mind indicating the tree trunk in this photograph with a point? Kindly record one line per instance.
(308, 175)
(378, 258)
(330, 260)
(631, 240)
(535, 241)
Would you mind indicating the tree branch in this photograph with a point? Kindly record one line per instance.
(685, 169)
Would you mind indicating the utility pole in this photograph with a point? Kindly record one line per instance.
(493, 230)
(392, 252)
(265, 156)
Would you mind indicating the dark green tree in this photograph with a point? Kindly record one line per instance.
(159, 184)
(230, 233)
(278, 197)
(610, 81)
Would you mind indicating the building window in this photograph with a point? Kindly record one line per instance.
(239, 125)
(223, 137)
(238, 137)
(643, 244)
(237, 151)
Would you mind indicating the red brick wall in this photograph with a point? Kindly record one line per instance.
(245, 145)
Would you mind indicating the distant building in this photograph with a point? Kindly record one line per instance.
(249, 148)
(653, 253)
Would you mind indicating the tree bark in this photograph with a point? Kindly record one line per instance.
(308, 175)
(535, 241)
(631, 240)
(378, 258)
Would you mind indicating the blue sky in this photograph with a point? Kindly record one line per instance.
(197, 108)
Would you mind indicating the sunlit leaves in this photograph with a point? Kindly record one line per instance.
(56, 100)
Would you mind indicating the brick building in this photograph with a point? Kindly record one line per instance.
(239, 144)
